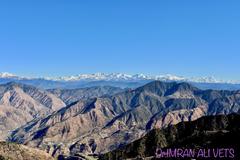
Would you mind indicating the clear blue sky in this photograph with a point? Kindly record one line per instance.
(56, 37)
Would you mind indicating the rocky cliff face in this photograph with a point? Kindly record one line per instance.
(101, 124)
(220, 131)
(22, 103)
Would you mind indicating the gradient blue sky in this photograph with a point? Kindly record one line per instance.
(65, 37)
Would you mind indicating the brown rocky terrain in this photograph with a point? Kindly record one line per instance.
(21, 103)
(12, 151)
(99, 125)
(72, 95)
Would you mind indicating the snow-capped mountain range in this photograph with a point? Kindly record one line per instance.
(7, 75)
(120, 77)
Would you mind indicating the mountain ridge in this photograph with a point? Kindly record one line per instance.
(101, 124)
(122, 77)
(219, 131)
(20, 103)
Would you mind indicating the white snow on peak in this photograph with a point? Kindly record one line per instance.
(7, 75)
(136, 77)
(169, 77)
(124, 77)
(100, 76)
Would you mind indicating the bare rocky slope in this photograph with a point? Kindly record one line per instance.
(21, 103)
(99, 125)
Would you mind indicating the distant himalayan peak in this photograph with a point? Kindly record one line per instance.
(137, 77)
(123, 77)
(7, 75)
